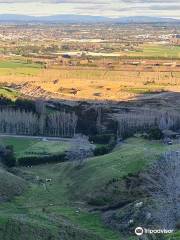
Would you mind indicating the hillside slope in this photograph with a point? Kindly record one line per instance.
(26, 228)
(64, 207)
(10, 185)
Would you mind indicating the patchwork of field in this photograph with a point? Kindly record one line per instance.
(148, 50)
(99, 84)
(93, 84)
(109, 79)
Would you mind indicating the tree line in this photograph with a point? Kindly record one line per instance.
(134, 122)
(22, 122)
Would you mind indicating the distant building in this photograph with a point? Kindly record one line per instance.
(175, 40)
(66, 56)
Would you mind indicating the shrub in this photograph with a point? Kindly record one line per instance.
(36, 160)
(178, 225)
(101, 139)
(98, 201)
(155, 134)
(8, 157)
(101, 150)
(110, 141)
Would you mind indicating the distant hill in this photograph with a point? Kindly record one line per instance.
(12, 18)
(144, 19)
(70, 18)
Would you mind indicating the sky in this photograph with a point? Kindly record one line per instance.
(109, 8)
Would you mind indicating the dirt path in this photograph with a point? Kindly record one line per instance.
(43, 138)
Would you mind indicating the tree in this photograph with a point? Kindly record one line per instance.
(80, 150)
(143, 120)
(62, 124)
(57, 124)
(8, 157)
(163, 184)
(155, 133)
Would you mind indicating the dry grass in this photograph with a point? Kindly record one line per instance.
(96, 84)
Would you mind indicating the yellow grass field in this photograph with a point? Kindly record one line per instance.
(120, 83)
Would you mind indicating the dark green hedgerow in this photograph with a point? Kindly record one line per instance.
(108, 141)
(36, 160)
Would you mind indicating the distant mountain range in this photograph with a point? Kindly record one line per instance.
(144, 19)
(65, 18)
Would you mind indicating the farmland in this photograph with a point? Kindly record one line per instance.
(126, 80)
(18, 64)
(89, 128)
(18, 67)
(139, 67)
(161, 51)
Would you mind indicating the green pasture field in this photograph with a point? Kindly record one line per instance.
(19, 68)
(156, 51)
(34, 147)
(18, 64)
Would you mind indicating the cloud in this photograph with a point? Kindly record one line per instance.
(57, 1)
(113, 8)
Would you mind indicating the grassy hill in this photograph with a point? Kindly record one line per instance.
(60, 207)
(133, 156)
(22, 227)
(10, 185)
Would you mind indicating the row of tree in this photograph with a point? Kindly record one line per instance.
(57, 124)
(133, 122)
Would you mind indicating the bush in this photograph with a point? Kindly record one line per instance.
(101, 139)
(36, 160)
(178, 225)
(8, 157)
(101, 150)
(98, 201)
(154, 134)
